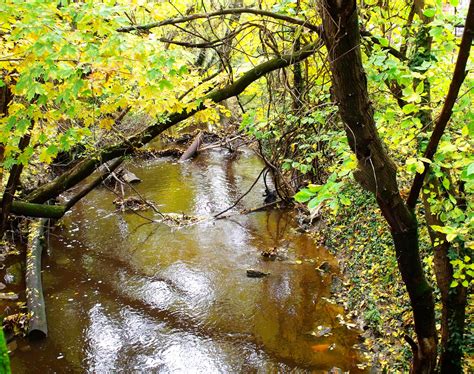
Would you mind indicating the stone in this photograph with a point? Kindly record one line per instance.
(251, 273)
(324, 267)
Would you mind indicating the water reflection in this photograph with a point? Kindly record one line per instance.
(125, 296)
(104, 341)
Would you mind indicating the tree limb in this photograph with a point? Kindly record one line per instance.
(85, 167)
(445, 115)
(393, 51)
(21, 208)
(192, 17)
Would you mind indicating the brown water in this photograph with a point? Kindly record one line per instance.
(125, 295)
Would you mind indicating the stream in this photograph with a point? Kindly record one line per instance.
(126, 295)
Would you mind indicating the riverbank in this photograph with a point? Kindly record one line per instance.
(360, 239)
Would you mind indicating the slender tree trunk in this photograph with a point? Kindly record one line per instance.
(298, 83)
(376, 171)
(453, 299)
(12, 184)
(5, 98)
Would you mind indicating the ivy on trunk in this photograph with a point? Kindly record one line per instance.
(376, 171)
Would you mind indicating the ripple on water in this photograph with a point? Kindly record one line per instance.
(140, 297)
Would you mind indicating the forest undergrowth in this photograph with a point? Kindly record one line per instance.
(359, 238)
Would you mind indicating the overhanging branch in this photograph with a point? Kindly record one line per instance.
(85, 167)
(192, 17)
(393, 51)
(21, 208)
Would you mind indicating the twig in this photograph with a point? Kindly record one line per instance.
(242, 196)
(252, 210)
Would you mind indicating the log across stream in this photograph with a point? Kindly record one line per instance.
(126, 295)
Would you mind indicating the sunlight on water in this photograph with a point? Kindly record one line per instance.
(126, 295)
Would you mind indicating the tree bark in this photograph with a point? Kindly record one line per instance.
(192, 149)
(298, 83)
(12, 184)
(38, 326)
(21, 208)
(376, 171)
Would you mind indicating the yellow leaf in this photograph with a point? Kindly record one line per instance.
(106, 123)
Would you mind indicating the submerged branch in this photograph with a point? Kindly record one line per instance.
(241, 196)
(38, 326)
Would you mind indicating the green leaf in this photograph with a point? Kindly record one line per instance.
(470, 169)
(345, 201)
(409, 108)
(383, 42)
(164, 83)
(4, 358)
(314, 188)
(450, 237)
(314, 202)
(303, 196)
(430, 12)
(420, 167)
(420, 88)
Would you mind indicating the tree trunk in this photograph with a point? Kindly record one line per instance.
(298, 83)
(12, 184)
(20, 208)
(453, 299)
(376, 171)
(192, 149)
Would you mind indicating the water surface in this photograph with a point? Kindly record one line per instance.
(126, 295)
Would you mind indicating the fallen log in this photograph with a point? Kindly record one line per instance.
(192, 149)
(128, 177)
(38, 327)
(21, 208)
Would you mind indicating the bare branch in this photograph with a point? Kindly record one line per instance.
(265, 13)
